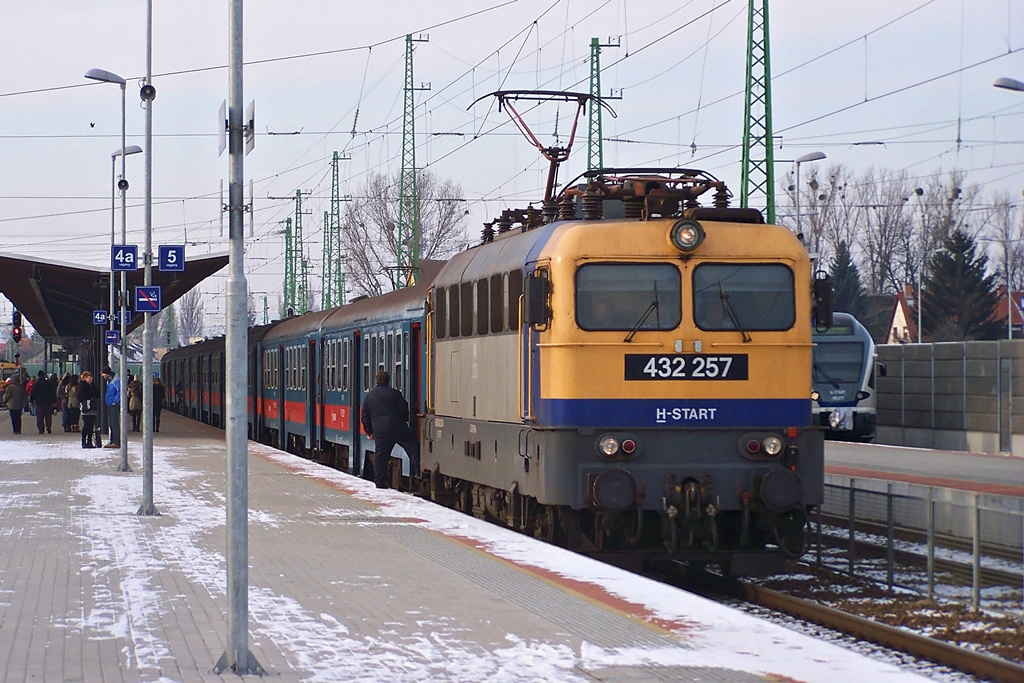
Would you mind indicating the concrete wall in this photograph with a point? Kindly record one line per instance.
(953, 395)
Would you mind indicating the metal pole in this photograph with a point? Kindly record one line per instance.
(237, 656)
(147, 507)
(852, 550)
(798, 198)
(920, 297)
(891, 547)
(818, 518)
(976, 550)
(122, 370)
(930, 530)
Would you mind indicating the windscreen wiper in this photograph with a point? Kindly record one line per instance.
(828, 378)
(731, 312)
(653, 308)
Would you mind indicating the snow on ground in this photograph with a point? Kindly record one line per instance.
(126, 555)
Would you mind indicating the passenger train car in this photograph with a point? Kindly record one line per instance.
(845, 367)
(636, 385)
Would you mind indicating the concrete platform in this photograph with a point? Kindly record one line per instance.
(347, 583)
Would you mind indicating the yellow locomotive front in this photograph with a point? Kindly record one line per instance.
(670, 359)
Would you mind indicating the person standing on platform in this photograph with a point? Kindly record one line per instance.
(113, 402)
(385, 418)
(135, 402)
(28, 390)
(71, 401)
(43, 396)
(159, 394)
(88, 401)
(16, 399)
(62, 400)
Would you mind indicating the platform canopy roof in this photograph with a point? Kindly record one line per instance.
(58, 299)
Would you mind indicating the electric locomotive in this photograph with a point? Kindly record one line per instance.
(631, 386)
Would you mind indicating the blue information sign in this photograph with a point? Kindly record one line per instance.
(124, 257)
(126, 314)
(147, 299)
(113, 337)
(100, 318)
(172, 258)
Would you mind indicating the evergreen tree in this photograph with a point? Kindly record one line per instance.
(847, 290)
(959, 298)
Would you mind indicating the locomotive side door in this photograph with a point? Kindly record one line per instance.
(410, 346)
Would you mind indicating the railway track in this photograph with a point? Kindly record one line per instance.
(843, 622)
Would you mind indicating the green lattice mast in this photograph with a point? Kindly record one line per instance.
(408, 229)
(758, 179)
(333, 273)
(290, 263)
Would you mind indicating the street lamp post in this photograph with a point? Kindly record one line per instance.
(1018, 86)
(108, 77)
(812, 156)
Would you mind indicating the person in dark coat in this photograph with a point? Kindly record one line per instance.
(385, 418)
(89, 403)
(159, 394)
(44, 395)
(16, 398)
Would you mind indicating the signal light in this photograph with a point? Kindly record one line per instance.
(16, 334)
(16, 327)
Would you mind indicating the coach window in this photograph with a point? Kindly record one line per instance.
(384, 351)
(515, 290)
(453, 311)
(743, 297)
(305, 366)
(483, 321)
(397, 361)
(366, 364)
(344, 364)
(627, 296)
(441, 313)
(389, 358)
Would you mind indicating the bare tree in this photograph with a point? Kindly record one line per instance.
(190, 315)
(1006, 223)
(886, 233)
(370, 237)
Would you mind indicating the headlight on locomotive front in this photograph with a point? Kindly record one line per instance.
(609, 445)
(772, 445)
(686, 235)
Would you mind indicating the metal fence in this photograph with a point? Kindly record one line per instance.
(936, 541)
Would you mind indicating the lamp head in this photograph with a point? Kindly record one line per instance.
(104, 76)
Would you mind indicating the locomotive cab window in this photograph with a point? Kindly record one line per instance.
(747, 297)
(627, 296)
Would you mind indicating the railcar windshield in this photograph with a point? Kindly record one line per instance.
(838, 362)
(746, 297)
(627, 296)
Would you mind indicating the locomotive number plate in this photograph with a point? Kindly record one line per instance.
(684, 366)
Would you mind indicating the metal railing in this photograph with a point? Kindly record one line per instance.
(958, 538)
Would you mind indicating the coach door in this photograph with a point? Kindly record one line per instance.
(282, 384)
(314, 417)
(355, 400)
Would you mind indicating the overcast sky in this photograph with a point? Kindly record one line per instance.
(912, 75)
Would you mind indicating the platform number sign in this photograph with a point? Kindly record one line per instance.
(124, 257)
(172, 258)
(100, 318)
(147, 299)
